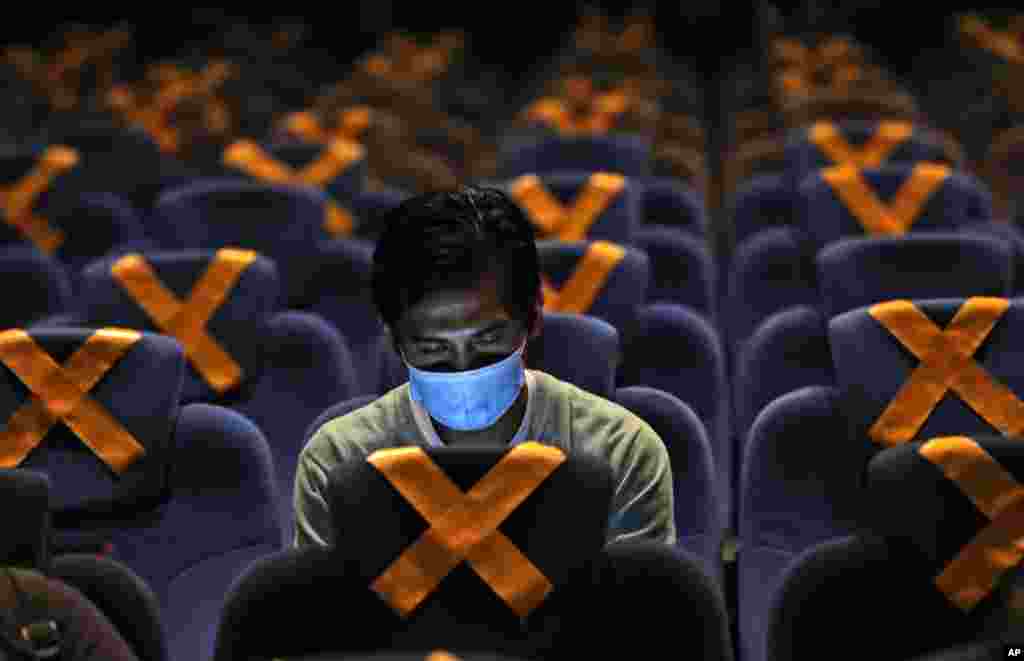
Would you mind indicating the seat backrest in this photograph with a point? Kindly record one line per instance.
(597, 278)
(682, 269)
(863, 144)
(666, 201)
(788, 351)
(279, 368)
(37, 184)
(280, 221)
(218, 305)
(911, 370)
(336, 285)
(942, 516)
(623, 154)
(846, 200)
(856, 272)
(696, 493)
(581, 205)
(673, 349)
(337, 169)
(83, 417)
(799, 485)
(42, 282)
(582, 350)
(26, 498)
(762, 202)
(120, 594)
(98, 224)
(521, 495)
(771, 271)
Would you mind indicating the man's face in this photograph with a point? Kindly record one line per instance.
(459, 330)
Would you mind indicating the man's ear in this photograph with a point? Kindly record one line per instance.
(392, 339)
(538, 323)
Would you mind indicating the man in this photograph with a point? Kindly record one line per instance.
(457, 284)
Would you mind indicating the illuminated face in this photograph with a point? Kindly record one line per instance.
(459, 330)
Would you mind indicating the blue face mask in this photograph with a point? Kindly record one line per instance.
(469, 400)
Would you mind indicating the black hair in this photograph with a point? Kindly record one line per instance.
(450, 240)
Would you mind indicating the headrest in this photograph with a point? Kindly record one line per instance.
(118, 454)
(955, 505)
(579, 349)
(667, 201)
(861, 271)
(623, 154)
(912, 370)
(369, 207)
(598, 278)
(42, 282)
(572, 206)
(25, 500)
(339, 166)
(892, 200)
(278, 221)
(549, 510)
(861, 143)
(216, 304)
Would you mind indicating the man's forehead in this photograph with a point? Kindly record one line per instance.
(457, 309)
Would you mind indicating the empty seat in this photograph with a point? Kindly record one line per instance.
(557, 605)
(184, 495)
(279, 368)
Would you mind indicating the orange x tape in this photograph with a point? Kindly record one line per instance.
(566, 223)
(149, 118)
(946, 364)
(999, 42)
(606, 108)
(339, 154)
(799, 63)
(186, 322)
(17, 200)
(582, 288)
(887, 136)
(875, 216)
(62, 394)
(999, 547)
(464, 526)
(352, 123)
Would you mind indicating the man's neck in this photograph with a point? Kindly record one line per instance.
(500, 433)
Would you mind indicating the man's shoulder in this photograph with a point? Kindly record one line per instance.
(594, 417)
(374, 426)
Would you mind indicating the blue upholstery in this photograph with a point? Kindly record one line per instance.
(761, 203)
(682, 270)
(284, 223)
(190, 514)
(857, 272)
(871, 366)
(804, 157)
(617, 222)
(675, 350)
(336, 287)
(42, 283)
(915, 522)
(699, 526)
(771, 271)
(623, 154)
(623, 291)
(294, 364)
(96, 225)
(800, 485)
(667, 201)
(959, 201)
